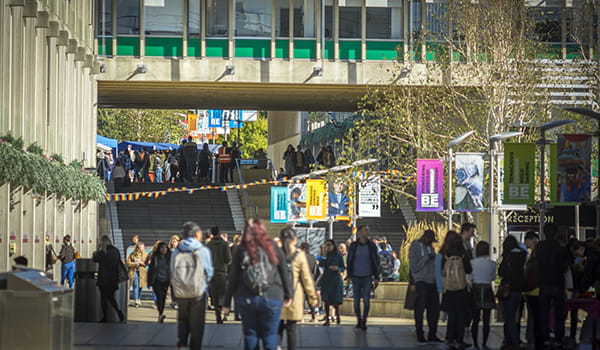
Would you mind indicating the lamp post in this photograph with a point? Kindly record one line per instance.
(451, 144)
(493, 206)
(594, 115)
(542, 142)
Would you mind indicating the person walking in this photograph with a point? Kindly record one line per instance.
(554, 259)
(159, 276)
(190, 152)
(456, 298)
(363, 269)
(224, 162)
(173, 243)
(314, 268)
(191, 269)
(302, 284)
(137, 272)
(511, 271)
(332, 290)
(204, 163)
(289, 157)
(421, 258)
(67, 258)
(221, 257)
(259, 300)
(484, 274)
(108, 258)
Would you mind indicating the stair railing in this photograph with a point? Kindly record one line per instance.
(245, 199)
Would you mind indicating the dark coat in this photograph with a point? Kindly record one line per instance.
(553, 260)
(372, 254)
(221, 254)
(331, 281)
(153, 266)
(512, 270)
(108, 267)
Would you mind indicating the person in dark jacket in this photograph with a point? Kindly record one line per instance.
(145, 165)
(363, 269)
(204, 163)
(221, 255)
(331, 282)
(67, 257)
(108, 258)
(159, 276)
(455, 302)
(260, 311)
(555, 260)
(190, 153)
(511, 271)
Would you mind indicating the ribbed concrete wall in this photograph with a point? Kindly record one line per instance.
(47, 95)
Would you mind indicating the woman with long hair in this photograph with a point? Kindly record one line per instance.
(302, 282)
(455, 302)
(108, 258)
(137, 271)
(261, 283)
(511, 271)
(159, 273)
(173, 243)
(331, 281)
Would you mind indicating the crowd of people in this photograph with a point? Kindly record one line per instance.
(536, 274)
(297, 161)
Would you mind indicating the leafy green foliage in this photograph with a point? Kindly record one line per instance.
(253, 136)
(38, 172)
(151, 125)
(35, 149)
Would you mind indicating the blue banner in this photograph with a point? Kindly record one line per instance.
(279, 204)
(233, 124)
(215, 118)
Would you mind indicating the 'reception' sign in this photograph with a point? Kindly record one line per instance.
(430, 185)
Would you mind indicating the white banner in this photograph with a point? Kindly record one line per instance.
(369, 198)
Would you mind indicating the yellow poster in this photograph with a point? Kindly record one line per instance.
(192, 121)
(316, 199)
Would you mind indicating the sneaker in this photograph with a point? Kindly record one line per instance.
(161, 318)
(421, 340)
(434, 339)
(154, 307)
(364, 325)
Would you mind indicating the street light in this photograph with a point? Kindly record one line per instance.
(594, 115)
(542, 142)
(451, 144)
(492, 210)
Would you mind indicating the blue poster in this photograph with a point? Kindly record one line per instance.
(215, 118)
(279, 204)
(233, 124)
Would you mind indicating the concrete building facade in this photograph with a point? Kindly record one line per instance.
(48, 96)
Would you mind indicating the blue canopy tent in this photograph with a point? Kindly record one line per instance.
(108, 142)
(150, 146)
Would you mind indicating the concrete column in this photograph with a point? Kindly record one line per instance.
(284, 128)
(41, 64)
(5, 82)
(318, 29)
(30, 119)
(363, 30)
(4, 226)
(16, 71)
(336, 30)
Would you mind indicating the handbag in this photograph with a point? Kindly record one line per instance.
(503, 291)
(122, 272)
(52, 256)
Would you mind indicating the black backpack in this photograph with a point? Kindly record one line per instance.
(259, 276)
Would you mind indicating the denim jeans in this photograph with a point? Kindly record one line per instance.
(158, 175)
(558, 295)
(260, 321)
(362, 289)
(68, 273)
(137, 290)
(427, 298)
(136, 173)
(511, 308)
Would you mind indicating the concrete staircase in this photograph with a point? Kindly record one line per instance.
(237, 214)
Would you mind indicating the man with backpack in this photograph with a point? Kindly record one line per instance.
(191, 269)
(386, 262)
(421, 257)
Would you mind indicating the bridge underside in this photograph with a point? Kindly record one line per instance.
(229, 95)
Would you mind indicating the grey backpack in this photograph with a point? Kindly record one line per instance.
(187, 278)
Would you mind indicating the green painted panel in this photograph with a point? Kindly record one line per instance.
(384, 50)
(349, 50)
(282, 48)
(164, 46)
(193, 47)
(328, 50)
(574, 52)
(552, 51)
(216, 48)
(253, 48)
(305, 49)
(128, 46)
(102, 50)
(434, 51)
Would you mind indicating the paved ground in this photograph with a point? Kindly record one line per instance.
(142, 332)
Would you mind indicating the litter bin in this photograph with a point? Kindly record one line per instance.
(35, 312)
(87, 297)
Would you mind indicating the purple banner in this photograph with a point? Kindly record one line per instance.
(430, 185)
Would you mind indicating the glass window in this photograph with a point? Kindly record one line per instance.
(578, 24)
(414, 22)
(283, 18)
(304, 18)
(194, 18)
(547, 23)
(104, 18)
(128, 17)
(350, 22)
(163, 17)
(253, 18)
(436, 21)
(329, 22)
(379, 22)
(217, 17)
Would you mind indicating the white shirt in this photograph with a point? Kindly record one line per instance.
(484, 270)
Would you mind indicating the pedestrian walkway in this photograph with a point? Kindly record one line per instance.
(142, 332)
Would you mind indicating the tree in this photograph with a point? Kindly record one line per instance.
(151, 125)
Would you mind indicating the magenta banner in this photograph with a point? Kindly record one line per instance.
(430, 185)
